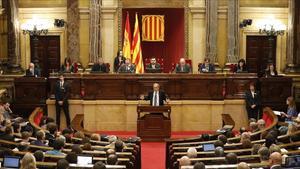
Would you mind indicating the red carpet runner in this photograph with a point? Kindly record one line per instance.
(153, 153)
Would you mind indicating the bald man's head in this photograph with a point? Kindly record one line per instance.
(275, 159)
(243, 165)
(155, 87)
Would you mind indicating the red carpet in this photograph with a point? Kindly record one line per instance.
(153, 153)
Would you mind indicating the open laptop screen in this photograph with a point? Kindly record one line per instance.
(84, 160)
(208, 147)
(11, 162)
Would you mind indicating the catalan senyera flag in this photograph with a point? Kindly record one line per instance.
(153, 27)
(137, 58)
(127, 39)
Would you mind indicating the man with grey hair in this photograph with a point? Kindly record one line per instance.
(156, 97)
(261, 124)
(243, 165)
(33, 71)
(184, 161)
(275, 160)
(182, 67)
(219, 152)
(192, 152)
(264, 154)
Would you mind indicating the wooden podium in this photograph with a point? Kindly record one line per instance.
(154, 122)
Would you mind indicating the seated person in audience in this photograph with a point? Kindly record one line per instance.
(245, 136)
(255, 149)
(246, 143)
(8, 134)
(231, 158)
(28, 162)
(99, 66)
(271, 70)
(192, 152)
(153, 65)
(99, 165)
(95, 137)
(76, 149)
(67, 133)
(62, 164)
(112, 159)
(275, 160)
(183, 67)
(207, 66)
(218, 143)
(219, 152)
(110, 151)
(119, 60)
(33, 71)
(241, 66)
(222, 138)
(57, 147)
(252, 99)
(71, 157)
(199, 165)
(17, 129)
(39, 155)
(127, 67)
(5, 111)
(269, 140)
(67, 67)
(184, 161)
(40, 138)
(25, 135)
(274, 148)
(87, 146)
(291, 111)
(119, 145)
(264, 154)
(261, 124)
(243, 165)
(253, 127)
(51, 133)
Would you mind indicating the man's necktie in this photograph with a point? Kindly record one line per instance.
(155, 99)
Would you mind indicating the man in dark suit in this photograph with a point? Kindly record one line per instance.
(62, 91)
(156, 96)
(153, 66)
(275, 160)
(252, 102)
(32, 71)
(182, 67)
(127, 67)
(206, 66)
(119, 60)
(99, 67)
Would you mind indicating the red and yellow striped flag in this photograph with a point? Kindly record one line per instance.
(127, 39)
(137, 58)
(153, 27)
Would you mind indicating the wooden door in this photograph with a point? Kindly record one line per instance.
(260, 50)
(48, 50)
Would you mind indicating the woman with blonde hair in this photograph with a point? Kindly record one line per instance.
(28, 162)
(291, 111)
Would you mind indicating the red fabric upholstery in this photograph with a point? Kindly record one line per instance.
(38, 117)
(267, 119)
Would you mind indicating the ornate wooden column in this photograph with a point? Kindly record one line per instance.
(73, 30)
(211, 30)
(13, 43)
(95, 31)
(233, 32)
(293, 46)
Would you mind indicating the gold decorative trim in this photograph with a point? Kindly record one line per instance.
(120, 7)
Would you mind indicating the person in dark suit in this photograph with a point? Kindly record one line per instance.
(8, 134)
(127, 67)
(252, 102)
(275, 160)
(62, 91)
(206, 66)
(153, 66)
(32, 71)
(271, 70)
(99, 66)
(119, 60)
(241, 66)
(68, 67)
(156, 97)
(183, 67)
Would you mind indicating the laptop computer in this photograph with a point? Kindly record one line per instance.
(292, 161)
(208, 147)
(84, 160)
(11, 162)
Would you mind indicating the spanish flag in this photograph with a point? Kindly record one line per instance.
(137, 58)
(127, 39)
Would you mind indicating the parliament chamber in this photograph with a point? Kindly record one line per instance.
(148, 84)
